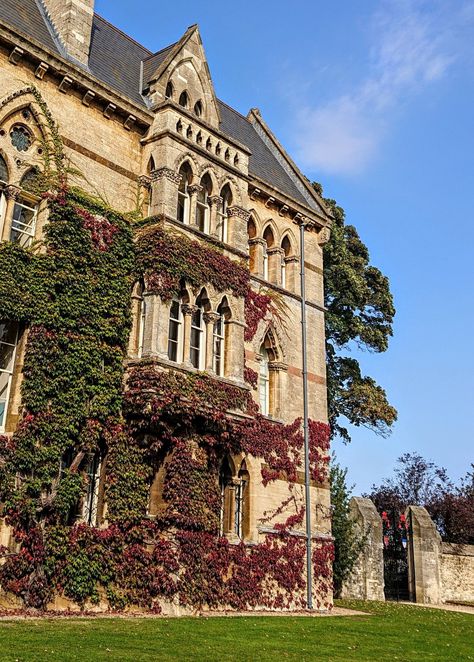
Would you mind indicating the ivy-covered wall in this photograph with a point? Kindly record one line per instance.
(72, 299)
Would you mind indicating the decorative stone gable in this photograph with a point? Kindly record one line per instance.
(184, 77)
(72, 20)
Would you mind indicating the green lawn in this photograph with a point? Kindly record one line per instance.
(390, 632)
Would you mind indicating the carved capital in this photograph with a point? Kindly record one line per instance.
(144, 181)
(257, 241)
(188, 309)
(193, 189)
(166, 173)
(275, 250)
(240, 212)
(277, 366)
(12, 192)
(211, 317)
(214, 200)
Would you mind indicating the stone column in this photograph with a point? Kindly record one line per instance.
(275, 256)
(234, 350)
(12, 193)
(237, 219)
(256, 246)
(366, 581)
(278, 388)
(292, 274)
(187, 310)
(193, 191)
(215, 203)
(155, 337)
(423, 557)
(209, 320)
(164, 192)
(134, 340)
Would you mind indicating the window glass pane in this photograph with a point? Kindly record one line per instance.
(172, 350)
(6, 356)
(4, 387)
(23, 224)
(174, 310)
(174, 330)
(194, 356)
(8, 332)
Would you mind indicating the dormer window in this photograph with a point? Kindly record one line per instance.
(184, 99)
(198, 108)
(169, 90)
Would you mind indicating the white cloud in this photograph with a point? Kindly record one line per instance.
(412, 47)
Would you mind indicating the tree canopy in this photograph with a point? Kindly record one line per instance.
(360, 313)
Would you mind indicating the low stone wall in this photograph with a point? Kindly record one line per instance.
(457, 573)
(438, 572)
(366, 580)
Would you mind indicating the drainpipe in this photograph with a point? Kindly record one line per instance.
(309, 565)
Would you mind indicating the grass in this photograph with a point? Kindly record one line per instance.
(389, 632)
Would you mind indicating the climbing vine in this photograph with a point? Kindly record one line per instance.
(72, 304)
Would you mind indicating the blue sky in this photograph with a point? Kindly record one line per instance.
(376, 101)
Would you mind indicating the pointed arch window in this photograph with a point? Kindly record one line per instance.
(183, 210)
(91, 500)
(198, 108)
(175, 332)
(169, 90)
(226, 195)
(234, 488)
(219, 339)
(286, 246)
(8, 345)
(269, 241)
(3, 171)
(184, 99)
(264, 381)
(197, 343)
(202, 204)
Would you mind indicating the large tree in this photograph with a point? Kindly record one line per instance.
(360, 313)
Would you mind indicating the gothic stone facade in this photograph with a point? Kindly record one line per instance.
(146, 132)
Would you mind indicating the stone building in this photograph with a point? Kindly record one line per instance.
(146, 132)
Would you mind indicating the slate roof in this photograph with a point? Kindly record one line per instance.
(26, 17)
(124, 65)
(263, 164)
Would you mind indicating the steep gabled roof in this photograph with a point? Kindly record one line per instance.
(115, 59)
(263, 162)
(28, 19)
(126, 66)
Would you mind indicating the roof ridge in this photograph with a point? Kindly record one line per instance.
(160, 51)
(124, 34)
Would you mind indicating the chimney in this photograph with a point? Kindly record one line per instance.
(72, 20)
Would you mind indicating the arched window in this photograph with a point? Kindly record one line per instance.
(183, 197)
(90, 511)
(184, 99)
(175, 351)
(197, 344)
(198, 108)
(269, 241)
(242, 510)
(8, 344)
(202, 204)
(286, 246)
(264, 381)
(226, 195)
(234, 519)
(169, 90)
(252, 233)
(219, 339)
(150, 166)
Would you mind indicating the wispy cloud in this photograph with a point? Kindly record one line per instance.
(414, 45)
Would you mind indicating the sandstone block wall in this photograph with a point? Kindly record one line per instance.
(457, 573)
